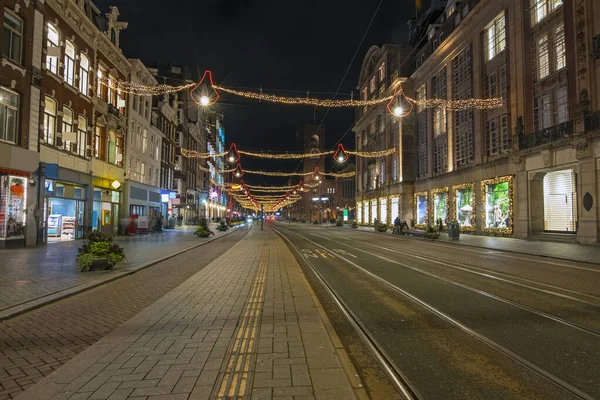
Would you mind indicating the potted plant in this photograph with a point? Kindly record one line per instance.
(431, 233)
(99, 252)
(382, 228)
(203, 232)
(355, 225)
(316, 222)
(339, 223)
(222, 226)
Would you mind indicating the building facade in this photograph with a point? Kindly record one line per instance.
(531, 167)
(141, 191)
(164, 122)
(384, 185)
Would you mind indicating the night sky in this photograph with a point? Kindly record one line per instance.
(280, 44)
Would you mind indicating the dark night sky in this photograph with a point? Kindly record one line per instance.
(290, 45)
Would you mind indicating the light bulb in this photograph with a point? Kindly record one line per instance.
(237, 174)
(341, 159)
(231, 158)
(398, 111)
(204, 100)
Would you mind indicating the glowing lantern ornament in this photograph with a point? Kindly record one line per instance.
(399, 105)
(238, 171)
(205, 98)
(232, 155)
(340, 154)
(316, 175)
(295, 191)
(301, 186)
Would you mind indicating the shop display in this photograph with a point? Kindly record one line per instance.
(421, 210)
(440, 205)
(68, 226)
(464, 205)
(13, 199)
(359, 212)
(560, 201)
(383, 210)
(373, 211)
(55, 225)
(498, 203)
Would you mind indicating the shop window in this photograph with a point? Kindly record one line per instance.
(560, 201)
(366, 211)
(373, 211)
(498, 203)
(68, 134)
(440, 205)
(464, 203)
(81, 135)
(383, 210)
(79, 192)
(12, 30)
(59, 190)
(394, 208)
(69, 65)
(52, 49)
(50, 121)
(421, 210)
(9, 115)
(13, 201)
(84, 73)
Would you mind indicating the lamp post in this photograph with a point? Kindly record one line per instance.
(262, 216)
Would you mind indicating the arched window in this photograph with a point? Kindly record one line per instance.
(69, 66)
(84, 72)
(50, 121)
(52, 49)
(67, 128)
(12, 45)
(81, 135)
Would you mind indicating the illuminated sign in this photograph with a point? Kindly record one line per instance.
(164, 198)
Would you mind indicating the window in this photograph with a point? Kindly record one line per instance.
(561, 59)
(52, 49)
(119, 151)
(9, 115)
(110, 96)
(545, 116)
(147, 109)
(504, 132)
(439, 121)
(372, 85)
(495, 37)
(69, 67)
(422, 144)
(144, 141)
(382, 72)
(81, 135)
(101, 87)
(49, 120)
(100, 142)
(562, 106)
(12, 33)
(135, 103)
(542, 8)
(492, 85)
(421, 95)
(382, 172)
(462, 67)
(84, 72)
(491, 131)
(542, 57)
(441, 154)
(67, 128)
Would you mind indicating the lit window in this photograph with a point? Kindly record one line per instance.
(561, 60)
(111, 90)
(81, 135)
(372, 85)
(542, 8)
(439, 121)
(52, 49)
(49, 120)
(13, 36)
(9, 115)
(69, 67)
(67, 127)
(382, 72)
(562, 106)
(495, 37)
(545, 112)
(84, 72)
(543, 58)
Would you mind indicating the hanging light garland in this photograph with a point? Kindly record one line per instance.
(309, 101)
(284, 156)
(139, 89)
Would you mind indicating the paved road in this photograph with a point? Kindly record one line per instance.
(36, 343)
(466, 323)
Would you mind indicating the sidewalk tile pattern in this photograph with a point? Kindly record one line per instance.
(245, 325)
(29, 274)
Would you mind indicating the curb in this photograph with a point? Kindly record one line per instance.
(453, 243)
(31, 305)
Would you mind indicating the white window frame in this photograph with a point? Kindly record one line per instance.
(439, 121)
(543, 57)
(81, 135)
(495, 37)
(84, 74)
(13, 33)
(67, 125)
(50, 121)
(381, 72)
(562, 104)
(9, 125)
(372, 85)
(69, 63)
(52, 46)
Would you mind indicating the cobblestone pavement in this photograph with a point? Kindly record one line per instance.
(33, 276)
(565, 251)
(245, 325)
(36, 343)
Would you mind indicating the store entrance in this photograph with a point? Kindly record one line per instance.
(65, 220)
(560, 201)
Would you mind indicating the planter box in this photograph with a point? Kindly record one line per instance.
(99, 264)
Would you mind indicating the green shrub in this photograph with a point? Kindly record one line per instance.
(354, 224)
(431, 233)
(98, 236)
(382, 228)
(100, 249)
(222, 226)
(85, 261)
(339, 223)
(203, 222)
(99, 245)
(203, 232)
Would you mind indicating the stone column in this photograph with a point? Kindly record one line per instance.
(587, 199)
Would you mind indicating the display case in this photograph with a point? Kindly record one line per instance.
(55, 225)
(68, 226)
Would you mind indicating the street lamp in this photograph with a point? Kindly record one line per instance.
(204, 100)
(398, 111)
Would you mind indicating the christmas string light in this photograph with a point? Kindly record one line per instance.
(235, 153)
(139, 89)
(195, 154)
(371, 154)
(283, 156)
(285, 188)
(310, 101)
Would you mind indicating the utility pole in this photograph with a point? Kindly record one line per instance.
(262, 216)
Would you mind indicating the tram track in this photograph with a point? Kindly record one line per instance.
(379, 351)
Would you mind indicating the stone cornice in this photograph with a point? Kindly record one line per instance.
(75, 18)
(112, 53)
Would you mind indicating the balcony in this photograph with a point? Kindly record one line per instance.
(546, 136)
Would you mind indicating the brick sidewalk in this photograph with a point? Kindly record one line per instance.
(245, 325)
(30, 277)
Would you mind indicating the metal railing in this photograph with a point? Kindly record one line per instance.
(545, 136)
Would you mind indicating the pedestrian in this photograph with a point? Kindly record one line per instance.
(396, 226)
